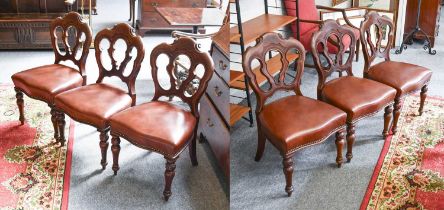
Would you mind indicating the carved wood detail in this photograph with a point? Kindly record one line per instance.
(319, 47)
(188, 47)
(126, 33)
(273, 42)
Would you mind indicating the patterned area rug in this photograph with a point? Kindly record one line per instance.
(410, 171)
(34, 170)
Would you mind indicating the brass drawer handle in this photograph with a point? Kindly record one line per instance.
(154, 4)
(209, 123)
(218, 92)
(222, 65)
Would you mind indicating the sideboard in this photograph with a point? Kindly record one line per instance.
(24, 24)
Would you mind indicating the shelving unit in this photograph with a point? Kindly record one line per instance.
(244, 34)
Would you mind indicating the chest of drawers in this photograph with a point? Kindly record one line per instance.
(214, 105)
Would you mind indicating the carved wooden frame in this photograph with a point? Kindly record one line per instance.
(72, 19)
(188, 47)
(371, 50)
(125, 32)
(328, 29)
(273, 42)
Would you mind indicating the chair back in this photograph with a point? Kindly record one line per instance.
(273, 42)
(179, 86)
(327, 62)
(76, 38)
(373, 29)
(105, 45)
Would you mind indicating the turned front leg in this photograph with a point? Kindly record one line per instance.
(288, 171)
(170, 168)
(423, 95)
(350, 140)
(340, 142)
(396, 114)
(115, 149)
(103, 146)
(387, 118)
(20, 105)
(61, 123)
(54, 122)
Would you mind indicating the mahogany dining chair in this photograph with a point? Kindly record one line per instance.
(292, 122)
(404, 77)
(161, 126)
(45, 82)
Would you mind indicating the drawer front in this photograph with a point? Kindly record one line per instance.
(216, 133)
(149, 5)
(219, 93)
(221, 64)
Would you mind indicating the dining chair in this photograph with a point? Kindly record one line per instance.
(45, 82)
(162, 126)
(358, 97)
(95, 103)
(292, 122)
(404, 77)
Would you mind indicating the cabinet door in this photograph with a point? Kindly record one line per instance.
(8, 6)
(29, 6)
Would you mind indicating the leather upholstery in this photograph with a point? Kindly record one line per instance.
(93, 104)
(404, 77)
(45, 82)
(158, 126)
(297, 121)
(357, 96)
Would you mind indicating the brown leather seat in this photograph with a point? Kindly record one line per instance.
(160, 126)
(294, 122)
(45, 82)
(93, 104)
(165, 127)
(358, 97)
(404, 77)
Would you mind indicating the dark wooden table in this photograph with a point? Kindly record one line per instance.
(194, 17)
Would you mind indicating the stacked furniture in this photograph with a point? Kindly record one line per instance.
(243, 34)
(149, 19)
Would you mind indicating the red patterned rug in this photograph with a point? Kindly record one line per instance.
(34, 171)
(410, 171)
